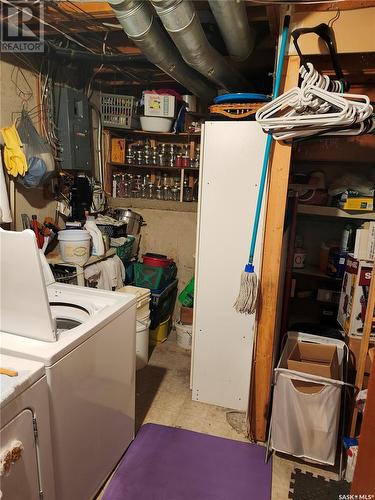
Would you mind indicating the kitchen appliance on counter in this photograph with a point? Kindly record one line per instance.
(85, 338)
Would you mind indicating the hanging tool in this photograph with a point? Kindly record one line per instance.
(247, 297)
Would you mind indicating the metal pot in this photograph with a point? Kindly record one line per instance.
(133, 220)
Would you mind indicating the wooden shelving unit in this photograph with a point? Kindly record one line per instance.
(155, 167)
(176, 206)
(190, 139)
(121, 131)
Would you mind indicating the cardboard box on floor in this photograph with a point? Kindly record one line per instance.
(353, 298)
(314, 359)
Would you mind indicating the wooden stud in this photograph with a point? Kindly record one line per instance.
(364, 479)
(361, 363)
(270, 274)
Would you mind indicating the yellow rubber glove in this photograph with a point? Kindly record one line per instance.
(14, 157)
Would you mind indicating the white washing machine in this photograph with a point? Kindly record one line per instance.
(86, 340)
(26, 470)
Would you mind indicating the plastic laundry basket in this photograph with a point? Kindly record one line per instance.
(305, 425)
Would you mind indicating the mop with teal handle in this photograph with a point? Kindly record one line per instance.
(247, 298)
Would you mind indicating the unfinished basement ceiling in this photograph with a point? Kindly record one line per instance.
(93, 28)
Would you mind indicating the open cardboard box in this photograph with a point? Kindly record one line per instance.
(314, 359)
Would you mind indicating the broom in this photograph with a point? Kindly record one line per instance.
(247, 298)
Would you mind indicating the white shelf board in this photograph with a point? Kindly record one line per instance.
(334, 212)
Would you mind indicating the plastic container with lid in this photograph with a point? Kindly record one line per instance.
(74, 246)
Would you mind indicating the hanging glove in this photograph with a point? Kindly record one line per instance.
(14, 157)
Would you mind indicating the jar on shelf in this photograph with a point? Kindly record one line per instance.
(129, 159)
(175, 191)
(178, 161)
(140, 158)
(121, 187)
(150, 191)
(167, 193)
(159, 192)
(154, 156)
(187, 194)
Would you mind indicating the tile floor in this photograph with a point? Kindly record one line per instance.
(163, 397)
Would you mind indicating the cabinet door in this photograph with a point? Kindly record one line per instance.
(22, 480)
(223, 339)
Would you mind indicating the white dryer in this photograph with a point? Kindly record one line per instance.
(86, 340)
(26, 470)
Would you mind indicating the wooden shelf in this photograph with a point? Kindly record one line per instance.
(129, 131)
(314, 272)
(156, 167)
(141, 203)
(55, 259)
(323, 211)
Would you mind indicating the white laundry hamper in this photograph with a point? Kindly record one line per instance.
(306, 425)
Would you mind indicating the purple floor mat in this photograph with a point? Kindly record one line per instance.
(165, 463)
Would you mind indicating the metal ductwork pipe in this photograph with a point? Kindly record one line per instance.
(182, 23)
(231, 18)
(139, 23)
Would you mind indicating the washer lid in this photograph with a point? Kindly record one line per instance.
(28, 372)
(25, 307)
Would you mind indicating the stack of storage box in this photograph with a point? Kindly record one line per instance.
(158, 273)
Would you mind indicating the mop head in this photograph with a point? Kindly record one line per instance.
(247, 298)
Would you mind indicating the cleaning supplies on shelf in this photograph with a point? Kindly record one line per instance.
(96, 236)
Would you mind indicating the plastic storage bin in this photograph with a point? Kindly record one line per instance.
(117, 110)
(162, 304)
(306, 408)
(161, 332)
(125, 251)
(152, 277)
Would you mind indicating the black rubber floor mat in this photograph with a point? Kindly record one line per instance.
(306, 486)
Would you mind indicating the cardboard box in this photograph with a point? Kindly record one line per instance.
(118, 148)
(364, 203)
(353, 298)
(315, 359)
(186, 315)
(354, 344)
(160, 105)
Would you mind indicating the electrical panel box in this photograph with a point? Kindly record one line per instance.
(73, 128)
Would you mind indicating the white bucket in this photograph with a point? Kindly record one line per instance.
(184, 335)
(74, 246)
(142, 341)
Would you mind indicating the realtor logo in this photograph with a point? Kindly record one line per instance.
(21, 29)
